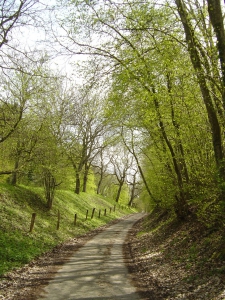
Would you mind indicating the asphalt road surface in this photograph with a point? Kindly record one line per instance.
(97, 271)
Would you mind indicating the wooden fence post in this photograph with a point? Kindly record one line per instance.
(75, 219)
(93, 211)
(32, 221)
(58, 222)
(86, 214)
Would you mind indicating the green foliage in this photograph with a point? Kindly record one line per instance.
(91, 184)
(154, 105)
(157, 95)
(17, 249)
(124, 195)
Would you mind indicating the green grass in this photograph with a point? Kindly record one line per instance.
(18, 246)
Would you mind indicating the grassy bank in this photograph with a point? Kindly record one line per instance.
(18, 246)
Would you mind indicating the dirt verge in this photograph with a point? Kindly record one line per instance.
(171, 260)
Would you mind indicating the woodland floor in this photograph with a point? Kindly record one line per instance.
(171, 261)
(176, 260)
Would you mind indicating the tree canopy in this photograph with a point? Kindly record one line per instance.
(143, 102)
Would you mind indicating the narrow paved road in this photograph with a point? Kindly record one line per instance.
(97, 271)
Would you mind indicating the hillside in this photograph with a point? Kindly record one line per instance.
(18, 245)
(177, 260)
(168, 259)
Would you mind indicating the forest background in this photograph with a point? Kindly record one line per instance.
(121, 98)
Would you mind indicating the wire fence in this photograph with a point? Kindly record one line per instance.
(88, 215)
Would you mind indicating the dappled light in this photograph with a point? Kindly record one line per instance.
(110, 108)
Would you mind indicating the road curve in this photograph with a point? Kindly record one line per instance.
(97, 271)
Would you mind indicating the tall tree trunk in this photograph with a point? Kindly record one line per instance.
(216, 18)
(196, 62)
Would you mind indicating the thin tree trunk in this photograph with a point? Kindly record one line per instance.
(119, 191)
(77, 186)
(132, 151)
(181, 160)
(49, 186)
(99, 183)
(14, 174)
(85, 178)
(132, 195)
(182, 211)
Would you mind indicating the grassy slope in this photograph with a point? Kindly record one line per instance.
(18, 246)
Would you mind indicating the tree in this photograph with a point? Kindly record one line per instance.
(101, 167)
(18, 91)
(13, 101)
(121, 162)
(32, 149)
(48, 162)
(133, 182)
(13, 14)
(82, 127)
(155, 81)
(129, 51)
(49, 186)
(216, 18)
(203, 62)
(17, 17)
